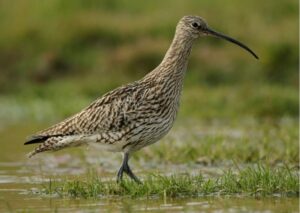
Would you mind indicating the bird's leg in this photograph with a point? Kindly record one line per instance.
(125, 168)
(120, 174)
(122, 168)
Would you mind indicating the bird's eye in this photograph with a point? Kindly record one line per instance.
(195, 25)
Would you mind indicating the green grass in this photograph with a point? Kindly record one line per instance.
(122, 40)
(213, 142)
(252, 181)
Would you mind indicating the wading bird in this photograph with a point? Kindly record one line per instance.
(138, 114)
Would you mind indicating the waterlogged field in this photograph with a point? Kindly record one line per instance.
(246, 165)
(235, 144)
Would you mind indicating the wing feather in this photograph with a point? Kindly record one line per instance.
(111, 112)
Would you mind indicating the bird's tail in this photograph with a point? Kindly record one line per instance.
(52, 143)
(56, 143)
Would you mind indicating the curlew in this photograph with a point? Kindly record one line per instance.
(138, 114)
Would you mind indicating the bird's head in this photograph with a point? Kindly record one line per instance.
(195, 26)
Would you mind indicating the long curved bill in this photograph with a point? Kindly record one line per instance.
(220, 35)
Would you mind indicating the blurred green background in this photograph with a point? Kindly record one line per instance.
(56, 56)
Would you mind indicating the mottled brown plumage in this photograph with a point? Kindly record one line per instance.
(137, 114)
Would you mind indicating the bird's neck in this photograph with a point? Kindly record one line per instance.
(174, 64)
(177, 55)
(167, 77)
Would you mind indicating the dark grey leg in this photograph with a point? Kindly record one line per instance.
(120, 174)
(125, 168)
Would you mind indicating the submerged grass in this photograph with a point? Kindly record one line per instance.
(252, 181)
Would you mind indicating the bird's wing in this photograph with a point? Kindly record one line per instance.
(110, 113)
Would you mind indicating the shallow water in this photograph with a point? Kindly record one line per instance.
(20, 178)
(19, 200)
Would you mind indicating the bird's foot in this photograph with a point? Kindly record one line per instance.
(125, 168)
(131, 175)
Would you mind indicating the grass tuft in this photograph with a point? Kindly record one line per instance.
(255, 181)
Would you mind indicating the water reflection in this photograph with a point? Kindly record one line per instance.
(17, 200)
